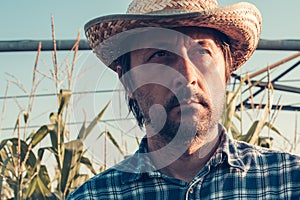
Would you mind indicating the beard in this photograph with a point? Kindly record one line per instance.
(195, 123)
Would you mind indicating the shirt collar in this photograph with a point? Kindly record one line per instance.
(228, 151)
(138, 165)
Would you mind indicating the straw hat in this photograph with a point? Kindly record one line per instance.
(241, 22)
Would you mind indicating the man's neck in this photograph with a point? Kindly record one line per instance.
(185, 165)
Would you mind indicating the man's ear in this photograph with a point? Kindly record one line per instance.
(124, 82)
(119, 71)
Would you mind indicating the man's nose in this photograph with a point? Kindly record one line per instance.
(188, 73)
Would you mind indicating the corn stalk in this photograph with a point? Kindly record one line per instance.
(232, 117)
(21, 158)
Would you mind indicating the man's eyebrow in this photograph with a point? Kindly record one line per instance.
(162, 45)
(204, 43)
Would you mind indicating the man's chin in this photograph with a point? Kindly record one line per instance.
(183, 131)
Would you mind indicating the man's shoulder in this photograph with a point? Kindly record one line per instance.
(256, 155)
(102, 184)
(245, 148)
(96, 185)
(101, 179)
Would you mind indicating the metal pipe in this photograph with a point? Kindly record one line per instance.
(47, 45)
(288, 45)
(66, 45)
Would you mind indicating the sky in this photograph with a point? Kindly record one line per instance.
(31, 20)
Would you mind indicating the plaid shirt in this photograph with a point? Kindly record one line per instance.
(236, 171)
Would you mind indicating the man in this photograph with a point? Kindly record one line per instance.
(174, 59)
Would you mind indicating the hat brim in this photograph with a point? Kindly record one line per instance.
(241, 23)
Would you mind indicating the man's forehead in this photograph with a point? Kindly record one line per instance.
(167, 38)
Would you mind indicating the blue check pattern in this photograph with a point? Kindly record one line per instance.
(236, 171)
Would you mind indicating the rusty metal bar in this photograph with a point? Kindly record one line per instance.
(275, 65)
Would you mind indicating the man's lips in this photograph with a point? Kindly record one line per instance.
(186, 104)
(186, 98)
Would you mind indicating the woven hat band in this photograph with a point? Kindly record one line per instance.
(151, 6)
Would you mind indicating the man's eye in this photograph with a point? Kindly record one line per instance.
(158, 54)
(198, 52)
(203, 51)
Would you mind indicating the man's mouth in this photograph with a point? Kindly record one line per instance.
(186, 99)
(187, 104)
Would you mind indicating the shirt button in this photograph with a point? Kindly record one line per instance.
(191, 190)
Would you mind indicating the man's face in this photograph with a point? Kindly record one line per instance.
(179, 81)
